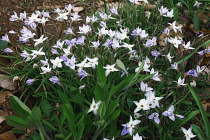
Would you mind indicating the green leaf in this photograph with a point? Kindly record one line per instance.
(121, 65)
(188, 118)
(50, 125)
(80, 129)
(202, 111)
(19, 107)
(102, 110)
(16, 121)
(114, 115)
(101, 74)
(18, 131)
(112, 107)
(69, 115)
(36, 114)
(196, 20)
(99, 93)
(3, 45)
(198, 132)
(60, 136)
(147, 77)
(45, 107)
(176, 12)
(77, 97)
(99, 123)
(121, 85)
(141, 129)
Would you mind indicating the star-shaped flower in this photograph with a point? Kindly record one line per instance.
(170, 113)
(168, 56)
(56, 62)
(130, 126)
(188, 133)
(180, 82)
(94, 107)
(187, 46)
(40, 40)
(110, 68)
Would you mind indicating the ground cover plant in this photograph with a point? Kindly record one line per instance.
(130, 72)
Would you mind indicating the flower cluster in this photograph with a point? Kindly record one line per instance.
(84, 61)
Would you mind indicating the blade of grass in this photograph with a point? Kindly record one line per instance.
(203, 112)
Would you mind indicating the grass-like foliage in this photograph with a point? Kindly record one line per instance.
(129, 73)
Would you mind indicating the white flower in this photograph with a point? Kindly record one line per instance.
(180, 82)
(187, 46)
(175, 41)
(129, 46)
(133, 54)
(174, 66)
(56, 62)
(147, 14)
(144, 87)
(75, 17)
(197, 4)
(36, 53)
(151, 97)
(137, 115)
(82, 64)
(168, 56)
(188, 133)
(110, 68)
(43, 21)
(137, 137)
(200, 69)
(92, 62)
(155, 77)
(62, 16)
(170, 113)
(169, 14)
(45, 69)
(84, 29)
(193, 83)
(14, 17)
(131, 125)
(40, 40)
(94, 107)
(175, 28)
(6, 38)
(163, 10)
(12, 32)
(142, 104)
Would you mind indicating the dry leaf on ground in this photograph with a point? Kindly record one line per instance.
(6, 83)
(78, 9)
(147, 6)
(2, 115)
(8, 136)
(206, 105)
(4, 95)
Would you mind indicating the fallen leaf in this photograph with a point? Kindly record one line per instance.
(78, 9)
(206, 105)
(6, 83)
(4, 63)
(147, 6)
(8, 136)
(2, 115)
(4, 95)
